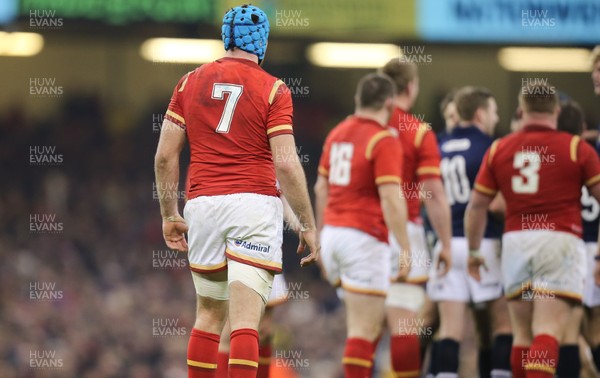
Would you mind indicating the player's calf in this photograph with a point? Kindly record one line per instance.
(502, 340)
(249, 290)
(364, 319)
(202, 355)
(550, 317)
(569, 364)
(403, 303)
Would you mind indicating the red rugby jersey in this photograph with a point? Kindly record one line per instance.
(359, 154)
(421, 158)
(540, 172)
(229, 109)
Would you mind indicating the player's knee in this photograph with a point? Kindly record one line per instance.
(367, 330)
(257, 279)
(211, 314)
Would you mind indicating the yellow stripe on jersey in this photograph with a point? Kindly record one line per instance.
(204, 365)
(428, 171)
(239, 361)
(387, 179)
(279, 128)
(274, 91)
(323, 171)
(493, 148)
(187, 76)
(374, 139)
(592, 181)
(255, 260)
(573, 149)
(485, 190)
(357, 362)
(421, 131)
(176, 116)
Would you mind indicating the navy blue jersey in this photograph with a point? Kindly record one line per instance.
(462, 151)
(590, 209)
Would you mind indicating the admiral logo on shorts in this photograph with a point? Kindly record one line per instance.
(252, 246)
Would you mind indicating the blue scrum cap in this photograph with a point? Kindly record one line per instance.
(246, 27)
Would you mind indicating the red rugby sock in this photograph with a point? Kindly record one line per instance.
(202, 354)
(243, 353)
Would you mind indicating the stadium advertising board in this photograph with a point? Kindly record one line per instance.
(525, 21)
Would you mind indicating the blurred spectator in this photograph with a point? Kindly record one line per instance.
(87, 287)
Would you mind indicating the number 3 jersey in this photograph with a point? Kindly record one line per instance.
(462, 151)
(540, 172)
(230, 109)
(359, 154)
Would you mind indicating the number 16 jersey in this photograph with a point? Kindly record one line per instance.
(359, 154)
(230, 109)
(540, 172)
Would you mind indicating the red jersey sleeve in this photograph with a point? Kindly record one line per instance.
(588, 161)
(279, 118)
(428, 165)
(324, 162)
(485, 182)
(386, 154)
(175, 109)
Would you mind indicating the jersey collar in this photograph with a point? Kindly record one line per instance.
(367, 120)
(538, 126)
(247, 62)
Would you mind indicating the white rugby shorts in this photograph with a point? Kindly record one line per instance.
(355, 260)
(543, 264)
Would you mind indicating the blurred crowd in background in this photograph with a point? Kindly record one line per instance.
(87, 287)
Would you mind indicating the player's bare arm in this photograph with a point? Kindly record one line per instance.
(395, 215)
(321, 189)
(438, 210)
(166, 169)
(498, 206)
(595, 192)
(293, 183)
(321, 192)
(475, 223)
(289, 217)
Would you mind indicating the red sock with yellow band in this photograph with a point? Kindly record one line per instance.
(243, 353)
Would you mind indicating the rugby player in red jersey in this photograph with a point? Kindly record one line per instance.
(540, 172)
(421, 182)
(237, 120)
(358, 199)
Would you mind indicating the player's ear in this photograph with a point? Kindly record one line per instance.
(479, 115)
(389, 104)
(411, 87)
(519, 113)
